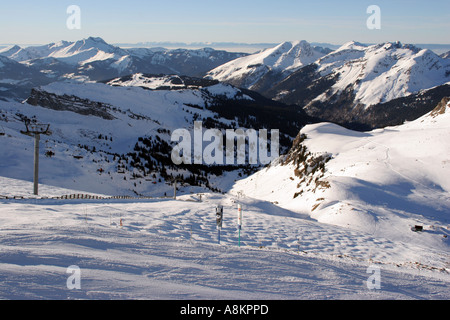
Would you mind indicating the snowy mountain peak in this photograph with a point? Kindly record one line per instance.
(60, 44)
(8, 51)
(396, 45)
(283, 58)
(393, 45)
(96, 39)
(288, 45)
(382, 72)
(352, 45)
(296, 50)
(90, 44)
(288, 55)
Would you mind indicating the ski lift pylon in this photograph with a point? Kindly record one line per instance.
(36, 128)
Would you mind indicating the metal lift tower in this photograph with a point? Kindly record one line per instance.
(35, 130)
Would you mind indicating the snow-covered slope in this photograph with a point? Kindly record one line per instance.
(139, 80)
(116, 140)
(158, 82)
(284, 58)
(91, 117)
(446, 55)
(381, 182)
(166, 249)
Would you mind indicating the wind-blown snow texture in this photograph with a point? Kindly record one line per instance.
(167, 249)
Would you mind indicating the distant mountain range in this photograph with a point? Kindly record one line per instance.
(254, 47)
(93, 59)
(357, 85)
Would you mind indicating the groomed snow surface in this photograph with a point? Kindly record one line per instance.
(168, 249)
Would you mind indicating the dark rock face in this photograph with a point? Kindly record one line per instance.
(69, 103)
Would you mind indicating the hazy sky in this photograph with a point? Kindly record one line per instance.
(249, 21)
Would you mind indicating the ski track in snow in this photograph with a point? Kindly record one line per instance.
(167, 249)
